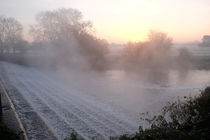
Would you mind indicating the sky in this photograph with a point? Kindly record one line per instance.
(120, 21)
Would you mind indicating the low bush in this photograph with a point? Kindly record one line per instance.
(180, 120)
(7, 134)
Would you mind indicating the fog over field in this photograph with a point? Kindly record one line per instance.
(67, 78)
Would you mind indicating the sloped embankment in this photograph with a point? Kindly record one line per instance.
(14, 128)
(20, 116)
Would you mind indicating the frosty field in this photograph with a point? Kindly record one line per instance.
(51, 105)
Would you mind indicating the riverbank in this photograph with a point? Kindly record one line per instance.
(11, 126)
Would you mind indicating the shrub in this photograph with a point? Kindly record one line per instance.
(180, 120)
(7, 134)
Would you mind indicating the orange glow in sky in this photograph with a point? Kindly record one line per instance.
(120, 21)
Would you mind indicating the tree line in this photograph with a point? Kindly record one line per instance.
(63, 38)
(11, 40)
(61, 35)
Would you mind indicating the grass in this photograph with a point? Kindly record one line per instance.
(7, 134)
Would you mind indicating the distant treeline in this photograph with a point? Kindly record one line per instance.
(63, 39)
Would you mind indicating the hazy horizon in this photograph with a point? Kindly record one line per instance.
(121, 21)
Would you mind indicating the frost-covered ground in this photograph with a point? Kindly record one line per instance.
(94, 105)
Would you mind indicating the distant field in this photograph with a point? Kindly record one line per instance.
(201, 55)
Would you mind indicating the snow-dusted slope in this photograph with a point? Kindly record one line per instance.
(49, 111)
(50, 107)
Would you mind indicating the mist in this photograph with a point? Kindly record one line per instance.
(62, 39)
(78, 77)
(69, 40)
(65, 47)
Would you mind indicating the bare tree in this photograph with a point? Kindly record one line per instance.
(184, 60)
(153, 53)
(10, 34)
(59, 25)
(94, 50)
(70, 37)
